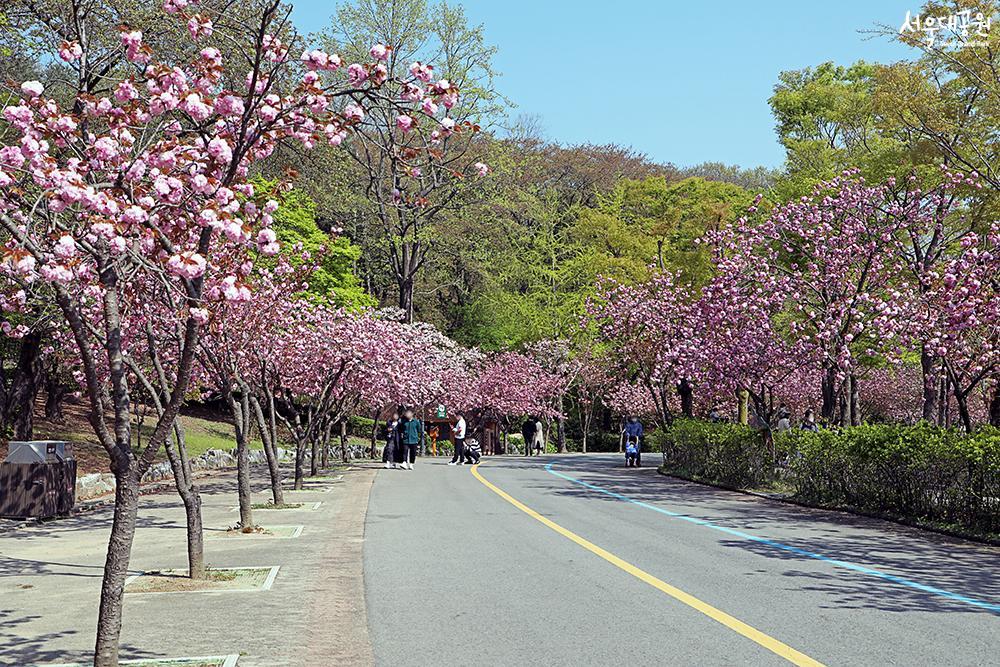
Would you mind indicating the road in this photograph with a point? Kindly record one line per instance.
(576, 560)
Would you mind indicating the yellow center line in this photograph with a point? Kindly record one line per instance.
(751, 633)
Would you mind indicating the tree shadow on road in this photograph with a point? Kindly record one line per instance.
(951, 564)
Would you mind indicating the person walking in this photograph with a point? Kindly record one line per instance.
(528, 433)
(633, 434)
(391, 441)
(410, 431)
(538, 441)
(458, 429)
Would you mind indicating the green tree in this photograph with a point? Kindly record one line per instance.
(828, 121)
(298, 232)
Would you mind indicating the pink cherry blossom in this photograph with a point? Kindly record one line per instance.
(404, 122)
(32, 88)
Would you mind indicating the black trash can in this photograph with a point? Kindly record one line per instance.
(37, 480)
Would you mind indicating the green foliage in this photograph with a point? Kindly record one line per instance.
(919, 473)
(827, 121)
(298, 232)
(729, 454)
(541, 272)
(360, 427)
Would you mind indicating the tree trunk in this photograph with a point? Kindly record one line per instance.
(188, 491)
(240, 420)
(55, 395)
(855, 401)
(343, 440)
(829, 389)
(406, 299)
(962, 401)
(686, 393)
(270, 452)
(109, 620)
(314, 462)
(995, 406)
(930, 385)
(300, 455)
(743, 406)
(325, 455)
(561, 428)
(843, 407)
(24, 387)
(374, 441)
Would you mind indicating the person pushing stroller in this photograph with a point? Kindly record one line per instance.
(632, 434)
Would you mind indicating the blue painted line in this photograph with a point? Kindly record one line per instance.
(854, 567)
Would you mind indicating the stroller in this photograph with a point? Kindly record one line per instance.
(472, 451)
(632, 452)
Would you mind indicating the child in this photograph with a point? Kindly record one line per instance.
(472, 451)
(632, 452)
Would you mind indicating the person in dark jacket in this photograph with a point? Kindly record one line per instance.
(411, 430)
(391, 441)
(528, 431)
(633, 435)
(809, 423)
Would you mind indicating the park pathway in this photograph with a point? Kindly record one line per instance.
(578, 561)
(311, 615)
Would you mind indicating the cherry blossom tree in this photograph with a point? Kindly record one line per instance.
(652, 333)
(958, 317)
(152, 180)
(834, 256)
(511, 384)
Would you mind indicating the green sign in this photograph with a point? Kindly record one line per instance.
(441, 412)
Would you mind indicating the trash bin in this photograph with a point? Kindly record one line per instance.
(37, 480)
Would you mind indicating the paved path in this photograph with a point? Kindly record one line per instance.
(595, 567)
(50, 578)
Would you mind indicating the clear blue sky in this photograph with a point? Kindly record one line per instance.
(684, 82)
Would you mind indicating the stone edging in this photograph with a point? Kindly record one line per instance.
(98, 484)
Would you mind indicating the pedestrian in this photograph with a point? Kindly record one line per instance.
(783, 412)
(458, 430)
(715, 416)
(528, 433)
(538, 440)
(784, 423)
(411, 430)
(391, 441)
(633, 434)
(809, 421)
(472, 451)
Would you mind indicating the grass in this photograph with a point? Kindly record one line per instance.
(201, 434)
(272, 506)
(221, 579)
(203, 430)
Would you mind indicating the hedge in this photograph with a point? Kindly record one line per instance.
(921, 473)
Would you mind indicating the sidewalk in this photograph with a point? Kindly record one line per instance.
(313, 613)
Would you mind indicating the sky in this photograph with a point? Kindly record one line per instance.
(682, 82)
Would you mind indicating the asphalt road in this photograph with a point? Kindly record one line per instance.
(585, 562)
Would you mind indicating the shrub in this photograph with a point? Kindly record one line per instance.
(920, 473)
(360, 427)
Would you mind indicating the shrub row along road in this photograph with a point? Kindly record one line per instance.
(578, 560)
